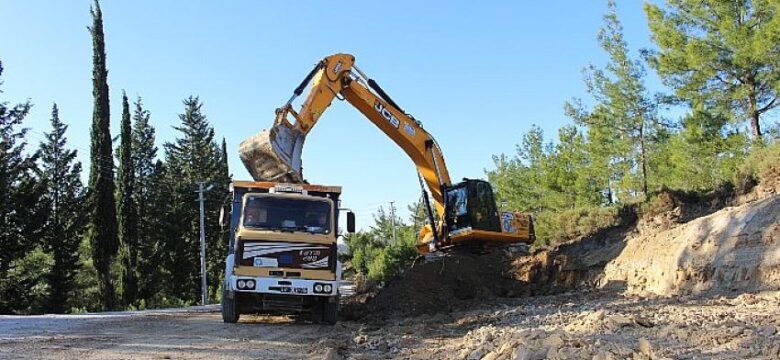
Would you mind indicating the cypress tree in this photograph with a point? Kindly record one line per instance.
(150, 207)
(65, 225)
(126, 208)
(102, 231)
(219, 240)
(224, 171)
(21, 210)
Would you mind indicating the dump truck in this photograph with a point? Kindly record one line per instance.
(283, 252)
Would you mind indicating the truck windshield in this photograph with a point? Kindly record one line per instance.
(287, 214)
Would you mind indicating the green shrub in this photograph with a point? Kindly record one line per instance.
(391, 261)
(373, 258)
(557, 227)
(763, 164)
(26, 283)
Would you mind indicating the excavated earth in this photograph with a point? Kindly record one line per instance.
(691, 280)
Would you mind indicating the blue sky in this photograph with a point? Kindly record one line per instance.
(476, 75)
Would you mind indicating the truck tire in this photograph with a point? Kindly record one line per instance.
(230, 312)
(330, 311)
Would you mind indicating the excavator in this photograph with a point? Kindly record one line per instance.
(462, 214)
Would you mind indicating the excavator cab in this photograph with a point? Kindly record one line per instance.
(470, 206)
(472, 220)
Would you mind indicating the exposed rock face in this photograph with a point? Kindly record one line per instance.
(573, 265)
(735, 249)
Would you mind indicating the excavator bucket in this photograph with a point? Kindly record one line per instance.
(274, 154)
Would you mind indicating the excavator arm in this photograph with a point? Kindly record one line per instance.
(336, 76)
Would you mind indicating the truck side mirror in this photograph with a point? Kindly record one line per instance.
(350, 222)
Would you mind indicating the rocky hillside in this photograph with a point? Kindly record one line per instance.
(734, 249)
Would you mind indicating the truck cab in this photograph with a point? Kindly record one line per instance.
(283, 254)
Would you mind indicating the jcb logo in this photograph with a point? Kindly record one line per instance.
(386, 114)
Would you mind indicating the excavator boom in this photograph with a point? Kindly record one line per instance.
(275, 154)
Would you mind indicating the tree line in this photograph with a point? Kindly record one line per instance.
(126, 239)
(129, 237)
(719, 60)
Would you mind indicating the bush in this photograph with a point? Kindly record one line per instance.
(761, 166)
(557, 227)
(26, 286)
(391, 261)
(378, 261)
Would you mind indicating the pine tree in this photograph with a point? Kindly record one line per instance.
(65, 226)
(22, 210)
(519, 181)
(191, 158)
(127, 212)
(724, 54)
(704, 154)
(102, 231)
(567, 171)
(625, 113)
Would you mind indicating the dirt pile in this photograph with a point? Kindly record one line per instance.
(441, 286)
(735, 249)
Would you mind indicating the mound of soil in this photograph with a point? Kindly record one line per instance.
(440, 286)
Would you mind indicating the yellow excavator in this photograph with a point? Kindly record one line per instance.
(463, 214)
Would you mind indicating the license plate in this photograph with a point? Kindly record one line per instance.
(301, 290)
(265, 262)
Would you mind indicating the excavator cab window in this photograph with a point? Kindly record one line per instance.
(470, 204)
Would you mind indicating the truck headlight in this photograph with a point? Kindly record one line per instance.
(328, 288)
(318, 288)
(250, 284)
(241, 284)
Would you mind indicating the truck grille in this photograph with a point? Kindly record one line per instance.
(287, 255)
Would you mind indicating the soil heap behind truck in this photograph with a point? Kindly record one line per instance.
(283, 251)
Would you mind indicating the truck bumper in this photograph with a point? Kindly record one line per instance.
(280, 286)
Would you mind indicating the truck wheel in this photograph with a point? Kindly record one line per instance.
(230, 312)
(330, 311)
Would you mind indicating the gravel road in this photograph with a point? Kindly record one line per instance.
(580, 326)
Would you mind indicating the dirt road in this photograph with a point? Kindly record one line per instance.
(706, 288)
(586, 326)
